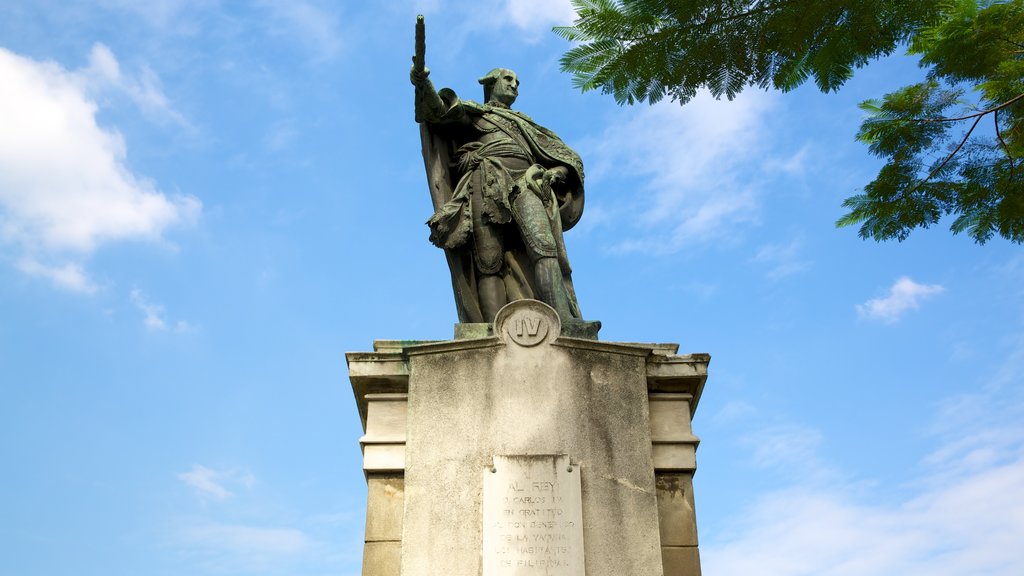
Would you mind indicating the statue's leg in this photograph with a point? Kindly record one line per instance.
(488, 257)
(492, 295)
(551, 288)
(535, 228)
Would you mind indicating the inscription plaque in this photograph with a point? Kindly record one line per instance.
(533, 517)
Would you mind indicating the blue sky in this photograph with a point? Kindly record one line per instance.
(204, 204)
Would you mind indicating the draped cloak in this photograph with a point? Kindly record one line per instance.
(458, 167)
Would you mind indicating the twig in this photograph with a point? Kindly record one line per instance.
(999, 134)
(948, 158)
(969, 116)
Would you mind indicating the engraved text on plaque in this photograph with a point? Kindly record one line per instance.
(533, 517)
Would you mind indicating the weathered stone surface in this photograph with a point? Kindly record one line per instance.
(681, 560)
(675, 445)
(468, 330)
(678, 521)
(487, 396)
(472, 400)
(382, 559)
(672, 456)
(670, 418)
(385, 504)
(384, 442)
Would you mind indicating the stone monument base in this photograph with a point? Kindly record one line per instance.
(528, 451)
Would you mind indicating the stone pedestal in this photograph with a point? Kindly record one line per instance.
(505, 428)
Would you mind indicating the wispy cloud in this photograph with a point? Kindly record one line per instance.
(69, 276)
(243, 548)
(964, 514)
(971, 526)
(65, 188)
(529, 20)
(794, 165)
(904, 295)
(683, 165)
(782, 260)
(145, 91)
(155, 316)
(536, 17)
(238, 539)
(245, 532)
(789, 449)
(210, 483)
(161, 14)
(311, 25)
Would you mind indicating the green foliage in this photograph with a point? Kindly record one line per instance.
(953, 145)
(640, 50)
(950, 151)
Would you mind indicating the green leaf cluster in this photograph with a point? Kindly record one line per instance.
(641, 50)
(954, 144)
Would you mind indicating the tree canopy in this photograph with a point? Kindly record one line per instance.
(940, 159)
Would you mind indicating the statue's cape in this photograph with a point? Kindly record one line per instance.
(437, 152)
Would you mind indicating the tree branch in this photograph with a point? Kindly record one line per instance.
(999, 134)
(948, 158)
(1017, 44)
(768, 7)
(1009, 102)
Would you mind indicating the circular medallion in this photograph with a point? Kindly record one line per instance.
(527, 323)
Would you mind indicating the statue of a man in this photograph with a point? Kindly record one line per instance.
(504, 189)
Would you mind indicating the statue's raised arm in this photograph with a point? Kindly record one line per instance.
(504, 189)
(429, 107)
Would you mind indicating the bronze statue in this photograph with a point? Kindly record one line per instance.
(504, 189)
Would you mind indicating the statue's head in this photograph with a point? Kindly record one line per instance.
(501, 85)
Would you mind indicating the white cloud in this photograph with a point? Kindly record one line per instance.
(686, 165)
(971, 526)
(210, 483)
(155, 316)
(966, 517)
(314, 27)
(104, 73)
(233, 548)
(782, 259)
(530, 20)
(64, 187)
(795, 165)
(239, 539)
(735, 411)
(154, 319)
(791, 450)
(961, 514)
(159, 13)
(69, 276)
(246, 532)
(904, 295)
(536, 17)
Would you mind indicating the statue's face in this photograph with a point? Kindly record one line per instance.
(506, 88)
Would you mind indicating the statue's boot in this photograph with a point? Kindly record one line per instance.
(552, 290)
(492, 295)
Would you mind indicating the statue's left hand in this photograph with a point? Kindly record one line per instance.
(556, 175)
(418, 77)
